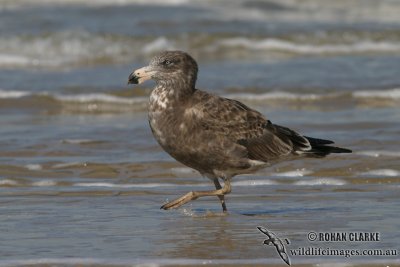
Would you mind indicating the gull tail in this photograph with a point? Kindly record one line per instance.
(321, 147)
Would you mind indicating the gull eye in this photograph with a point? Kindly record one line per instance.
(167, 62)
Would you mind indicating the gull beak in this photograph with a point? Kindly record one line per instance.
(140, 75)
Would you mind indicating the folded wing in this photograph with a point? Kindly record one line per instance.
(262, 139)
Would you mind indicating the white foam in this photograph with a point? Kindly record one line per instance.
(97, 97)
(321, 181)
(16, 4)
(282, 45)
(7, 182)
(378, 153)
(94, 98)
(63, 48)
(77, 141)
(105, 98)
(140, 185)
(33, 167)
(183, 170)
(14, 60)
(391, 93)
(69, 164)
(254, 182)
(12, 94)
(187, 210)
(153, 2)
(280, 95)
(277, 95)
(148, 185)
(381, 172)
(159, 44)
(44, 183)
(296, 173)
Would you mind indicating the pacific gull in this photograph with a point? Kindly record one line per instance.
(219, 137)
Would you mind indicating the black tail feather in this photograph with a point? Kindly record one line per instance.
(320, 148)
(316, 141)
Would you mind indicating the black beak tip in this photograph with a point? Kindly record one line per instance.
(133, 79)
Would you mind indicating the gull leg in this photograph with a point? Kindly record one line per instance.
(192, 195)
(221, 197)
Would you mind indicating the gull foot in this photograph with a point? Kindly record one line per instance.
(174, 204)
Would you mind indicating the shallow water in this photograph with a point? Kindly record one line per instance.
(82, 179)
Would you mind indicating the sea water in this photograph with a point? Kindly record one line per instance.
(82, 179)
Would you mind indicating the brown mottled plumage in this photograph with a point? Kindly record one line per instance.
(216, 136)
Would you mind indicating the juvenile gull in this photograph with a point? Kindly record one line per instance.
(219, 137)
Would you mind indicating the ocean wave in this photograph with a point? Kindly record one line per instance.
(254, 182)
(69, 165)
(279, 95)
(8, 182)
(144, 185)
(19, 4)
(66, 48)
(112, 185)
(391, 94)
(296, 173)
(272, 44)
(81, 141)
(13, 94)
(40, 183)
(158, 185)
(77, 48)
(80, 103)
(321, 181)
(103, 102)
(98, 97)
(388, 94)
(100, 103)
(107, 98)
(33, 167)
(183, 170)
(379, 153)
(15, 60)
(158, 44)
(74, 48)
(44, 183)
(381, 172)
